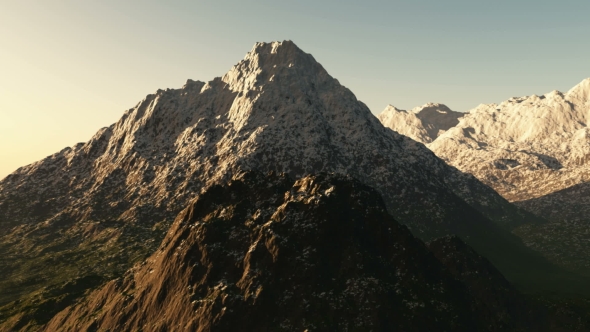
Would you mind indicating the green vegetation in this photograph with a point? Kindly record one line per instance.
(39, 279)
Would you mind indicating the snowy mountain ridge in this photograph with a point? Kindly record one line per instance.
(524, 147)
(423, 123)
(534, 151)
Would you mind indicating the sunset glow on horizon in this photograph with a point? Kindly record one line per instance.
(70, 68)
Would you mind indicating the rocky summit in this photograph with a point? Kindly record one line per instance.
(267, 253)
(88, 213)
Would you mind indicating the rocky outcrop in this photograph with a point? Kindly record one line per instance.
(266, 253)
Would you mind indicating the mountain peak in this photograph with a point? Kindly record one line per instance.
(391, 108)
(423, 123)
(433, 107)
(269, 61)
(275, 47)
(277, 110)
(580, 92)
(542, 136)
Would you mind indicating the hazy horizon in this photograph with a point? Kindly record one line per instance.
(71, 68)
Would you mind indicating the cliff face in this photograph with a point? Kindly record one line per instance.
(267, 253)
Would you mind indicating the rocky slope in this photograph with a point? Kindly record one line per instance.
(89, 212)
(267, 253)
(422, 124)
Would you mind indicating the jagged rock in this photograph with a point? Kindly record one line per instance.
(320, 253)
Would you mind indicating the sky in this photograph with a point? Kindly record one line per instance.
(68, 68)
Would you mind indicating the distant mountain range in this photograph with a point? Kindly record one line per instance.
(87, 214)
(534, 151)
(423, 124)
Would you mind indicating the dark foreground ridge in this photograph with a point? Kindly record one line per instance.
(267, 253)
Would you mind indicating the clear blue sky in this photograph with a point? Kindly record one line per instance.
(68, 68)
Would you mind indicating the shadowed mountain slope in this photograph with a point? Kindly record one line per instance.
(266, 253)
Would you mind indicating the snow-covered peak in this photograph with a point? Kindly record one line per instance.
(391, 108)
(432, 107)
(525, 146)
(276, 110)
(268, 62)
(405, 123)
(580, 93)
(423, 123)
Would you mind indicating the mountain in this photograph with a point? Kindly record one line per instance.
(534, 151)
(267, 253)
(89, 212)
(524, 147)
(422, 124)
